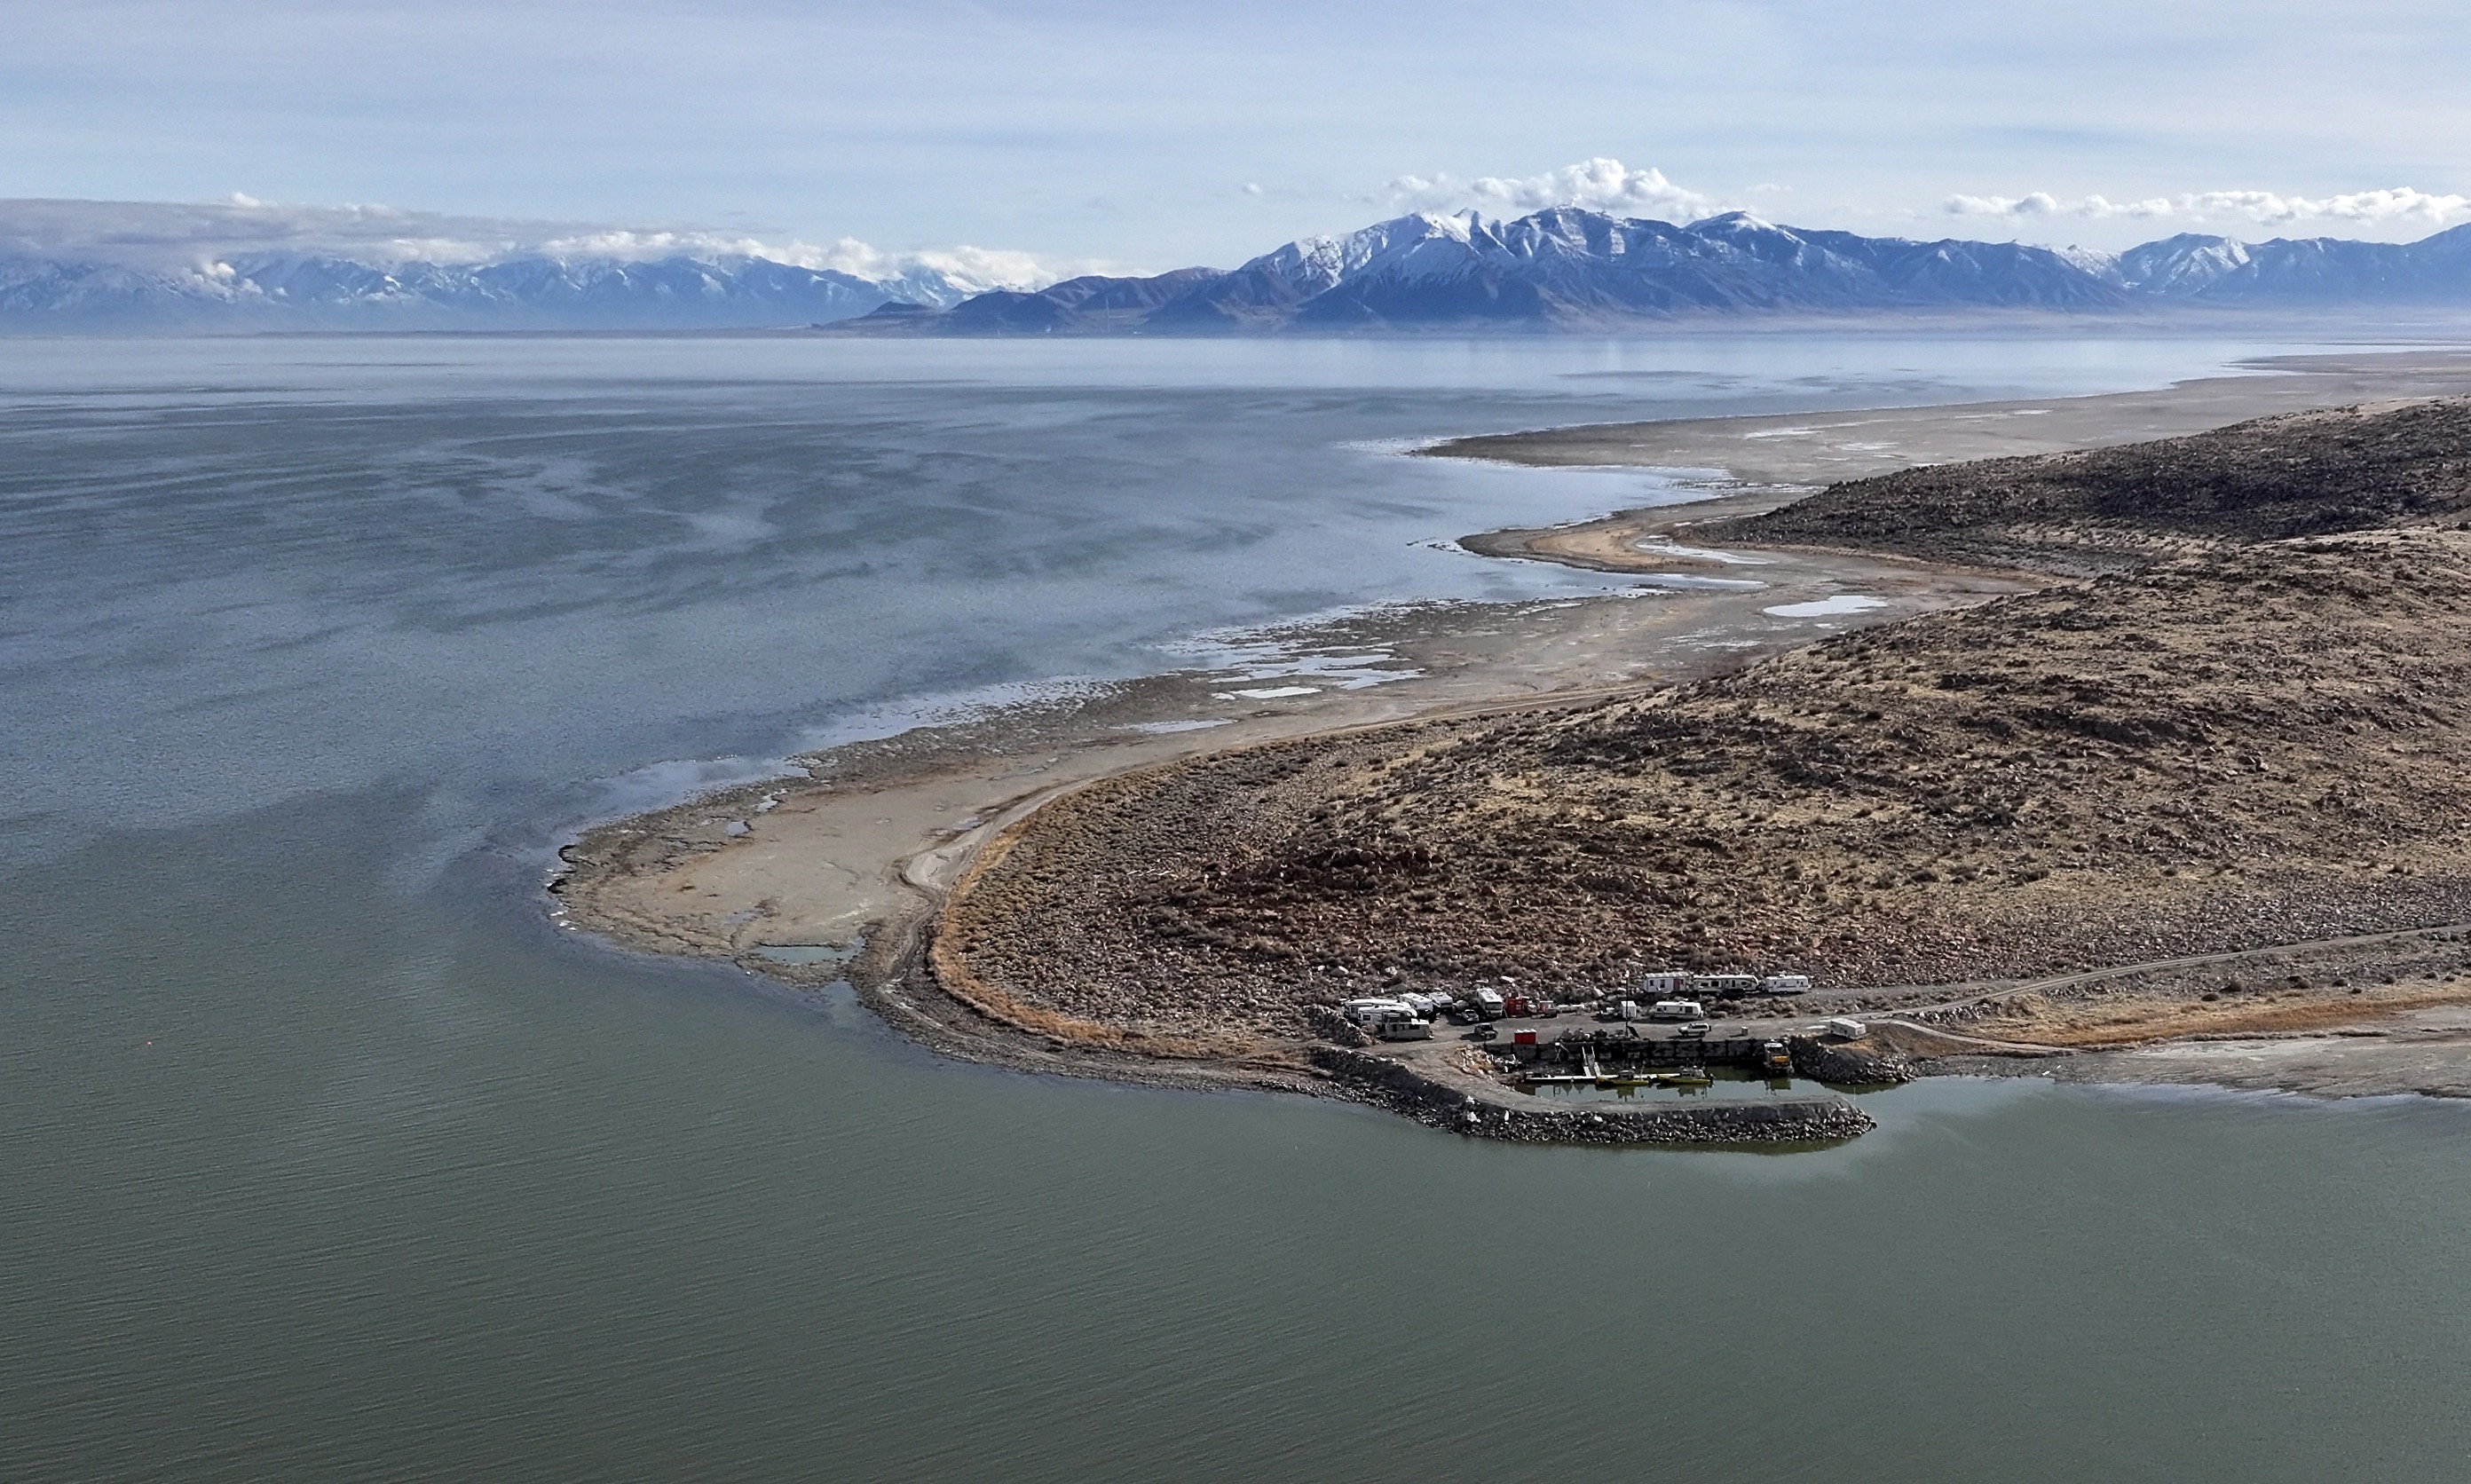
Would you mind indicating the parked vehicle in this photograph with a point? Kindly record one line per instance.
(1776, 1057)
(1400, 1025)
(1489, 1004)
(1484, 1032)
(1786, 984)
(1695, 1028)
(1726, 986)
(1675, 1010)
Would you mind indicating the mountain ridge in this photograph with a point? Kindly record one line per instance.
(1570, 269)
(1559, 269)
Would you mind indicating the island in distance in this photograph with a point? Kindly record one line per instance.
(1563, 269)
(2181, 803)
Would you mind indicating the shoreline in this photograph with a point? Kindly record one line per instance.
(864, 854)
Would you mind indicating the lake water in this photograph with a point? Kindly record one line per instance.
(324, 1156)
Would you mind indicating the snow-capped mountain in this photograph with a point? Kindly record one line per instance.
(1570, 269)
(531, 292)
(2305, 271)
(1558, 269)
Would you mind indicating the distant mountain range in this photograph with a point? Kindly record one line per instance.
(284, 292)
(1561, 268)
(1567, 269)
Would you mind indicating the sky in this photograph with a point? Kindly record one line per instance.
(1093, 134)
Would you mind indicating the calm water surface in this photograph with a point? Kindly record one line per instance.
(322, 1156)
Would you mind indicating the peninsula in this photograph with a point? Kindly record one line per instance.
(2137, 762)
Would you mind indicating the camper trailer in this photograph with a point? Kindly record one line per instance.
(1724, 986)
(1677, 1010)
(1403, 1024)
(1786, 984)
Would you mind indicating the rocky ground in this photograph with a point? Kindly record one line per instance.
(2247, 728)
(2108, 510)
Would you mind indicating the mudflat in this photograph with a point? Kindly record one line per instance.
(2231, 740)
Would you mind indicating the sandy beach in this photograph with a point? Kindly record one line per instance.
(835, 873)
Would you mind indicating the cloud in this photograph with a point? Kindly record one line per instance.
(975, 269)
(202, 236)
(2398, 204)
(1598, 185)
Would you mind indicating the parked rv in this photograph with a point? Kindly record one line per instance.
(1724, 986)
(1675, 1010)
(1403, 1024)
(1786, 984)
(1489, 1004)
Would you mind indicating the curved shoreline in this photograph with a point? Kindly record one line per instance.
(899, 973)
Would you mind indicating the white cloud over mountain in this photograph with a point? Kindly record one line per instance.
(2397, 204)
(198, 236)
(1597, 184)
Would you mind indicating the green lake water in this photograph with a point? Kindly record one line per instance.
(324, 1155)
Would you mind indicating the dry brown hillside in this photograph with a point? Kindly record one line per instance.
(2108, 509)
(2252, 743)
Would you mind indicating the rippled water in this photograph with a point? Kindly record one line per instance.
(322, 1155)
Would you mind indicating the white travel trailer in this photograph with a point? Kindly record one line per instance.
(1369, 1012)
(1677, 1010)
(1662, 985)
(1403, 1024)
(1786, 984)
(1726, 986)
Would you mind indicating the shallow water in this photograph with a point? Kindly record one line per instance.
(325, 1155)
